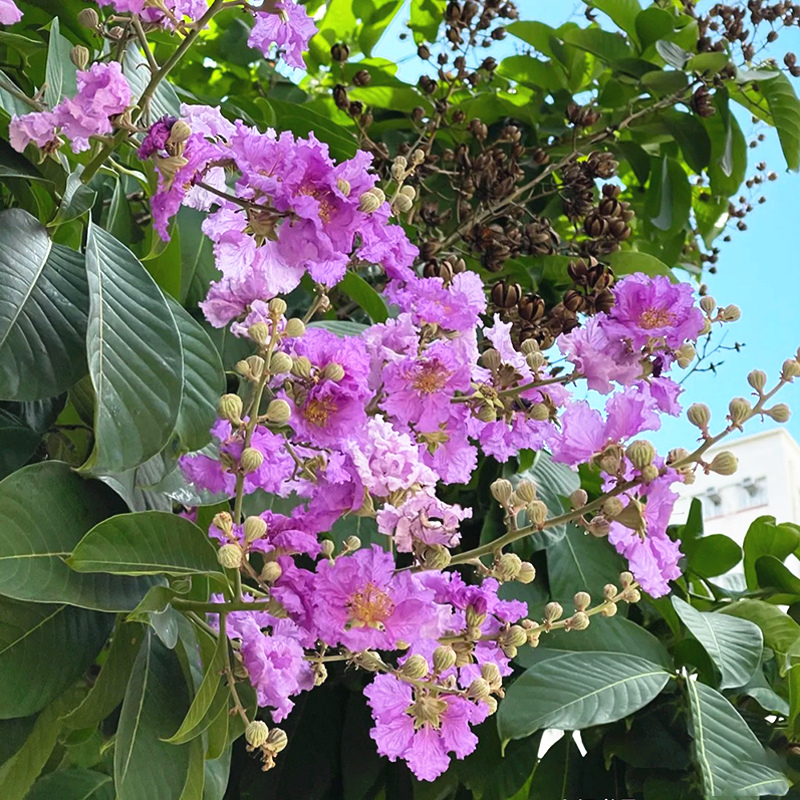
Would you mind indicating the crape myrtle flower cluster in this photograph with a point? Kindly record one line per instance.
(9, 13)
(371, 424)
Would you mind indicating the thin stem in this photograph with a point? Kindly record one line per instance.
(148, 53)
(237, 703)
(6, 86)
(218, 608)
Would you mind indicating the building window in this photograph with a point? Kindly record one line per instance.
(752, 492)
(712, 503)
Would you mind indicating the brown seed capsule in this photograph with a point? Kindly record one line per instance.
(362, 78)
(574, 300)
(340, 96)
(506, 295)
(340, 52)
(531, 307)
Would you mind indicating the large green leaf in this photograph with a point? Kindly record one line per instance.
(61, 74)
(44, 307)
(134, 351)
(76, 199)
(785, 108)
(622, 12)
(731, 760)
(47, 509)
(558, 775)
(669, 195)
(426, 18)
(728, 164)
(17, 443)
(766, 538)
(712, 555)
(571, 691)
(355, 287)
(43, 649)
(198, 268)
(145, 543)
(68, 784)
(735, 645)
(165, 101)
(603, 44)
(155, 703)
(627, 261)
(203, 381)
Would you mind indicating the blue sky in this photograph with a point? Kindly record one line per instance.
(759, 270)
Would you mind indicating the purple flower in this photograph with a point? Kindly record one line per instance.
(360, 603)
(421, 727)
(289, 27)
(38, 127)
(155, 140)
(176, 10)
(653, 309)
(9, 13)
(422, 518)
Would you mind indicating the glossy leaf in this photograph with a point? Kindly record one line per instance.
(134, 352)
(766, 538)
(571, 691)
(61, 73)
(735, 645)
(145, 543)
(730, 758)
(30, 630)
(357, 289)
(77, 199)
(603, 44)
(44, 308)
(17, 443)
(558, 775)
(426, 19)
(713, 555)
(623, 13)
(624, 262)
(47, 509)
(785, 109)
(68, 784)
(165, 100)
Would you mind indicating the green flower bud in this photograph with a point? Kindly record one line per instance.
(327, 547)
(578, 498)
(479, 689)
(650, 473)
(486, 413)
(553, 611)
(677, 454)
(608, 609)
(508, 567)
(89, 18)
(251, 459)
(277, 740)
(491, 703)
(271, 572)
(278, 411)
(790, 370)
(515, 636)
(610, 591)
(502, 490)
(537, 513)
(535, 360)
(708, 304)
(243, 368)
(757, 379)
(577, 622)
(626, 579)
(527, 572)
(526, 492)
(724, 463)
(352, 543)
(301, 367)
(418, 157)
(224, 522)
(612, 506)
(739, 410)
(779, 412)
(256, 733)
(730, 313)
(256, 365)
(539, 412)
(254, 528)
(631, 595)
(490, 672)
(641, 453)
(280, 363)
(699, 414)
(230, 407)
(444, 657)
(686, 354)
(415, 666)
(333, 372)
(294, 328)
(371, 201)
(436, 556)
(259, 333)
(230, 556)
(79, 56)
(178, 134)
(491, 359)
(277, 307)
(402, 203)
(582, 601)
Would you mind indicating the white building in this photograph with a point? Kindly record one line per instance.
(767, 482)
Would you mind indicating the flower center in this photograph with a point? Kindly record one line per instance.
(427, 710)
(370, 607)
(318, 410)
(656, 318)
(430, 378)
(326, 207)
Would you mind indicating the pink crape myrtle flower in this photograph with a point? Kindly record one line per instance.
(176, 10)
(288, 27)
(9, 13)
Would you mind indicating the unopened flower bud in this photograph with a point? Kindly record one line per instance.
(179, 133)
(277, 307)
(417, 157)
(473, 618)
(641, 453)
(256, 733)
(89, 18)
(409, 191)
(527, 572)
(491, 703)
(577, 622)
(277, 740)
(271, 571)
(259, 333)
(333, 372)
(757, 379)
(502, 490)
(401, 204)
(539, 412)
(610, 591)
(415, 666)
(479, 689)
(320, 673)
(553, 612)
(491, 359)
(255, 365)
(582, 601)
(508, 567)
(254, 528)
(371, 200)
(608, 609)
(230, 556)
(294, 328)
(370, 661)
(326, 548)
(730, 313)
(526, 491)
(791, 369)
(224, 522)
(708, 304)
(649, 473)
(537, 513)
(706, 329)
(436, 556)
(612, 506)
(343, 186)
(724, 463)
(677, 454)
(400, 164)
(535, 360)
(685, 355)
(631, 595)
(301, 367)
(243, 368)
(578, 498)
(626, 579)
(490, 672)
(699, 414)
(280, 363)
(486, 413)
(79, 56)
(352, 543)
(278, 411)
(779, 412)
(250, 460)
(230, 407)
(739, 410)
(444, 658)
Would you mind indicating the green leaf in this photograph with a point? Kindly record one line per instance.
(534, 33)
(653, 24)
(426, 18)
(558, 775)
(781, 632)
(624, 262)
(302, 120)
(198, 268)
(728, 164)
(47, 509)
(204, 709)
(605, 45)
(17, 444)
(664, 82)
(766, 538)
(28, 631)
(571, 691)
(145, 543)
(358, 290)
(734, 645)
(341, 327)
(713, 555)
(772, 572)
(531, 71)
(77, 199)
(217, 774)
(730, 758)
(793, 679)
(669, 196)
(707, 64)
(43, 311)
(134, 351)
(203, 381)
(109, 686)
(785, 108)
(68, 784)
(690, 134)
(155, 703)
(61, 73)
(623, 13)
(672, 53)
(165, 101)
